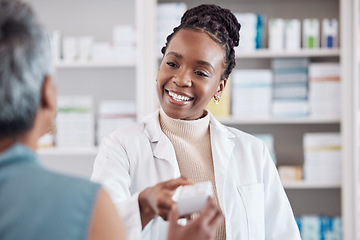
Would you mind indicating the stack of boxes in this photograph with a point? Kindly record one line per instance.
(322, 157)
(290, 89)
(315, 227)
(75, 122)
(325, 91)
(112, 115)
(124, 42)
(251, 93)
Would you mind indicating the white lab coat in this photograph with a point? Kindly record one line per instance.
(250, 193)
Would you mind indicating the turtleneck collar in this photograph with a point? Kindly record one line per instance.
(185, 128)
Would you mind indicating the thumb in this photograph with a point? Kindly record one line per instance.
(175, 183)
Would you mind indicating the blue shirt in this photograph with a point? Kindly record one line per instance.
(36, 203)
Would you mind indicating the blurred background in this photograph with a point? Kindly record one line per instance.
(295, 86)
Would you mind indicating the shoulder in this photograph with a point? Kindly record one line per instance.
(244, 136)
(235, 134)
(74, 184)
(64, 203)
(70, 192)
(75, 199)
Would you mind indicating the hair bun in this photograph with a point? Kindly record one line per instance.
(205, 13)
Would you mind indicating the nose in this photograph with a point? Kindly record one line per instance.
(182, 79)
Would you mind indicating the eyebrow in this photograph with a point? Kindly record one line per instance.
(199, 61)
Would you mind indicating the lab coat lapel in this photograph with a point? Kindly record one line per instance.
(221, 147)
(162, 148)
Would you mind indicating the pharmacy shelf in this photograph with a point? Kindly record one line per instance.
(272, 120)
(309, 185)
(96, 64)
(68, 151)
(266, 53)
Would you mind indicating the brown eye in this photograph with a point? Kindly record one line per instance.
(201, 74)
(171, 64)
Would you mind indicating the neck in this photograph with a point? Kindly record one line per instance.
(189, 129)
(28, 139)
(6, 143)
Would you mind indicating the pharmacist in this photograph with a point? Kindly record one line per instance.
(182, 138)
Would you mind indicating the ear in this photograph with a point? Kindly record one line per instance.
(48, 97)
(221, 87)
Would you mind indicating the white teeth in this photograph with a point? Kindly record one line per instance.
(178, 98)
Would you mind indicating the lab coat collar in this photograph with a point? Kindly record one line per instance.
(152, 129)
(222, 145)
(162, 148)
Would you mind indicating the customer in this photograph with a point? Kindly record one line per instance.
(183, 138)
(36, 203)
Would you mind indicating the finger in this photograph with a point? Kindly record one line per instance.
(164, 211)
(209, 212)
(166, 202)
(164, 214)
(164, 207)
(173, 215)
(217, 219)
(175, 183)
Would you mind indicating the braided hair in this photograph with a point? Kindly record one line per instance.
(219, 23)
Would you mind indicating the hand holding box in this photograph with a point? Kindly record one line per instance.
(192, 198)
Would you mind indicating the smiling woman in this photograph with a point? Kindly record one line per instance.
(183, 139)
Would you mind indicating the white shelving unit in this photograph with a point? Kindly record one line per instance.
(350, 121)
(270, 121)
(105, 64)
(68, 152)
(104, 80)
(355, 173)
(310, 185)
(265, 53)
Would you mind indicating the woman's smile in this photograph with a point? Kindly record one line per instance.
(179, 97)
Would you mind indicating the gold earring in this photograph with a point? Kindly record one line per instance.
(216, 99)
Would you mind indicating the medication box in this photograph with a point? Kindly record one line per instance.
(329, 36)
(311, 32)
(192, 198)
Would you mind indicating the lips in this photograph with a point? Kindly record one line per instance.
(179, 97)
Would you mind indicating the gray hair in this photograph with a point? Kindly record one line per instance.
(25, 60)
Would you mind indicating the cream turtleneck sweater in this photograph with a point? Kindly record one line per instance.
(191, 142)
